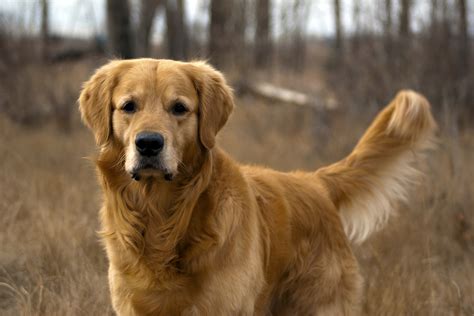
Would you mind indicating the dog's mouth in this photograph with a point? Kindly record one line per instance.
(151, 169)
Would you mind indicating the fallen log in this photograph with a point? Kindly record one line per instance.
(276, 93)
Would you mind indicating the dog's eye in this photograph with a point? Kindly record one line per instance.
(129, 107)
(179, 109)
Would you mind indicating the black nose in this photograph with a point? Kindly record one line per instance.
(149, 143)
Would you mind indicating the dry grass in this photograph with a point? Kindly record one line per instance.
(51, 262)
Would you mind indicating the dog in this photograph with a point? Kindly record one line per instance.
(189, 231)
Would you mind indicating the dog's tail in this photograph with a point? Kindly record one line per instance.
(366, 185)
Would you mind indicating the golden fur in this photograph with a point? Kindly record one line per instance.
(226, 239)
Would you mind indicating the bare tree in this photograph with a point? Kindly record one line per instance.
(44, 29)
(220, 32)
(238, 29)
(292, 46)
(118, 27)
(357, 21)
(228, 21)
(176, 32)
(356, 15)
(300, 18)
(463, 37)
(145, 24)
(388, 26)
(405, 13)
(263, 45)
(338, 26)
(388, 18)
(434, 11)
(440, 24)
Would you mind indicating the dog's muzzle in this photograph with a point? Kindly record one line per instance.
(149, 145)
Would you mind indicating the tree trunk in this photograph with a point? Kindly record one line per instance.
(147, 16)
(356, 17)
(239, 23)
(299, 45)
(338, 27)
(220, 31)
(440, 23)
(176, 33)
(388, 28)
(405, 13)
(263, 45)
(463, 38)
(434, 12)
(118, 27)
(44, 30)
(388, 18)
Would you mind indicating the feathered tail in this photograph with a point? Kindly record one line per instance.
(366, 185)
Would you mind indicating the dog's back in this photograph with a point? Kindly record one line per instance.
(307, 216)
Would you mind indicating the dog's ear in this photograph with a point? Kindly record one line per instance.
(216, 101)
(95, 101)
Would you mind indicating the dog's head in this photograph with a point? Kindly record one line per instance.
(161, 113)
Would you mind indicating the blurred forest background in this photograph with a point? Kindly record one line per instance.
(309, 76)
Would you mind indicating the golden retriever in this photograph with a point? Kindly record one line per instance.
(189, 231)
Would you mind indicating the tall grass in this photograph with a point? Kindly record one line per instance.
(50, 260)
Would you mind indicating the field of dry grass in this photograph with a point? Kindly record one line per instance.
(51, 262)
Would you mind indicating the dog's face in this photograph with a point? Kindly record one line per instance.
(161, 113)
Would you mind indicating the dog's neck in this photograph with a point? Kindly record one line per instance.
(151, 218)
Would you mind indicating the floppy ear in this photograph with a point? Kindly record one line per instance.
(95, 101)
(216, 101)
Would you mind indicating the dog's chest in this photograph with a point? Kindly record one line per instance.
(156, 267)
(170, 300)
(156, 290)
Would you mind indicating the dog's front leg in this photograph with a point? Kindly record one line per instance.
(120, 296)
